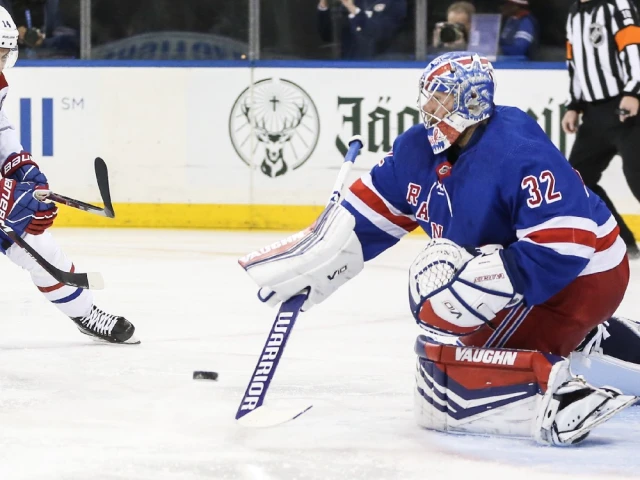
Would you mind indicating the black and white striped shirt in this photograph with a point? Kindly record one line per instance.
(603, 50)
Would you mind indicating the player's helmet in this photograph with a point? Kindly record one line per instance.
(468, 79)
(8, 36)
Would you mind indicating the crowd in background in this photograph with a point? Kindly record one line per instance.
(290, 29)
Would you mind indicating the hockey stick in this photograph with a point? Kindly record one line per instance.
(251, 412)
(102, 176)
(92, 280)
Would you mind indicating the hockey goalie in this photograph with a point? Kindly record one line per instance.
(524, 269)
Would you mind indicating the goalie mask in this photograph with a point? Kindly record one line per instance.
(8, 37)
(466, 84)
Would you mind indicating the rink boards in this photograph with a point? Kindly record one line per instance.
(203, 148)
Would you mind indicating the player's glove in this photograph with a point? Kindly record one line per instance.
(22, 168)
(21, 211)
(455, 291)
(322, 258)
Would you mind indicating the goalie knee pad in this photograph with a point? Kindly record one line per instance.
(514, 393)
(610, 355)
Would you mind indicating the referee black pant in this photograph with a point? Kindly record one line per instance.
(600, 137)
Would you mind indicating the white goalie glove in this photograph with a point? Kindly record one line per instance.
(323, 258)
(453, 292)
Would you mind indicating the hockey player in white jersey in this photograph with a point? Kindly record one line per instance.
(30, 218)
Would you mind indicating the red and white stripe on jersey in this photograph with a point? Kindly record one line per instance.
(580, 237)
(610, 248)
(369, 203)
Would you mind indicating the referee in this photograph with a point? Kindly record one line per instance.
(603, 57)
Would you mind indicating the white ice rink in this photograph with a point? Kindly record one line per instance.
(73, 409)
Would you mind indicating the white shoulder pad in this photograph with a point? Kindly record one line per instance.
(322, 257)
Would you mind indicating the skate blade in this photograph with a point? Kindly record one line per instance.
(630, 400)
(131, 341)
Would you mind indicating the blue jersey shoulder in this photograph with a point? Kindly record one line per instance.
(516, 141)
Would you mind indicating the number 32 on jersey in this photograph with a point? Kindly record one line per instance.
(545, 181)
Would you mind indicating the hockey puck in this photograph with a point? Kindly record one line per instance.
(200, 375)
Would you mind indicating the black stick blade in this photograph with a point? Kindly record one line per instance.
(102, 176)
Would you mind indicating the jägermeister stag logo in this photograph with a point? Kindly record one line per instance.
(274, 124)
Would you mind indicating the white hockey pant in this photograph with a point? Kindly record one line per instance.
(72, 301)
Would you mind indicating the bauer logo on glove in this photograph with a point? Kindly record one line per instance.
(6, 198)
(22, 211)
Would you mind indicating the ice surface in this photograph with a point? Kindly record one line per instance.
(73, 409)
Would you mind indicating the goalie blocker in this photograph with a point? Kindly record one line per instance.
(516, 393)
(321, 258)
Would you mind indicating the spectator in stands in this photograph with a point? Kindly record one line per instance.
(41, 33)
(519, 34)
(454, 33)
(367, 26)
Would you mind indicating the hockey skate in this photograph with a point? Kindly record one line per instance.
(105, 327)
(573, 409)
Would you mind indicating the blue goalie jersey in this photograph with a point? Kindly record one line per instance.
(510, 186)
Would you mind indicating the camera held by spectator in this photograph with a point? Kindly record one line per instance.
(31, 37)
(454, 33)
(40, 29)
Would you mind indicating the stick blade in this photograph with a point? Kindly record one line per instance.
(102, 176)
(263, 417)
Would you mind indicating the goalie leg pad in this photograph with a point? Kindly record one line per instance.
(479, 391)
(513, 393)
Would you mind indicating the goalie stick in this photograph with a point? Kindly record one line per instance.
(252, 412)
(102, 176)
